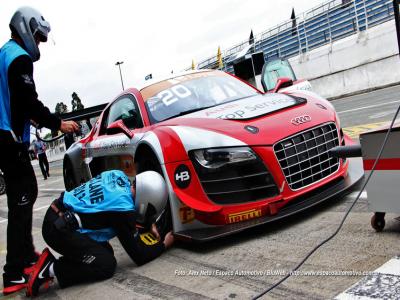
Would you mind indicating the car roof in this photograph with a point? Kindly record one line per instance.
(150, 82)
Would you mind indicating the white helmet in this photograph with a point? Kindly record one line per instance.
(151, 196)
(28, 23)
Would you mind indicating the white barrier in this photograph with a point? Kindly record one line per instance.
(364, 61)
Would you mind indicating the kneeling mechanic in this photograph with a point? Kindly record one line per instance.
(80, 223)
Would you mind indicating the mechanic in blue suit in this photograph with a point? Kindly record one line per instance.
(80, 223)
(18, 105)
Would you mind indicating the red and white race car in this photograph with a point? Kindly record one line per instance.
(232, 157)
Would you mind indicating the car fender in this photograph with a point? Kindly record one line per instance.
(151, 139)
(79, 168)
(167, 156)
(177, 142)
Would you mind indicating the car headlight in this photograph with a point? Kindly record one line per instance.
(216, 158)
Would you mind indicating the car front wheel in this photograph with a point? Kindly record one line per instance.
(69, 178)
(164, 222)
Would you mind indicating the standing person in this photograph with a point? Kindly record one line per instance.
(40, 151)
(18, 104)
(80, 223)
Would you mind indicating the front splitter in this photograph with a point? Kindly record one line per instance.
(331, 191)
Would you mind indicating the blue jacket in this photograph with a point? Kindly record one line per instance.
(108, 192)
(8, 53)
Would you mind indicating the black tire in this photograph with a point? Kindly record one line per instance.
(69, 177)
(2, 185)
(150, 163)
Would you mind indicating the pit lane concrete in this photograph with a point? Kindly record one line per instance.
(208, 270)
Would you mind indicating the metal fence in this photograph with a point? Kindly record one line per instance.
(324, 24)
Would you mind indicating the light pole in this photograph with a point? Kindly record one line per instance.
(119, 63)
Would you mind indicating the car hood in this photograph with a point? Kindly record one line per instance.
(258, 120)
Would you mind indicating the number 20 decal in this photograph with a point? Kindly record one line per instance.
(173, 94)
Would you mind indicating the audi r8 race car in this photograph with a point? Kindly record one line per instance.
(232, 157)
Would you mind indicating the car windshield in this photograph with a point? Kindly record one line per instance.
(192, 92)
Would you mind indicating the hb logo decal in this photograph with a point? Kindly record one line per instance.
(182, 176)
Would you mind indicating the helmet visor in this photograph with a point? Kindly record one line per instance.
(40, 29)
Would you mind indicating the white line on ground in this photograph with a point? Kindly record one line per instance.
(362, 196)
(40, 208)
(368, 106)
(52, 190)
(51, 182)
(35, 209)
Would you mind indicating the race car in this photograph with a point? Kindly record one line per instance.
(232, 156)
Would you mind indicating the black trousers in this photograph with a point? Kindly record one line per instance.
(83, 259)
(44, 164)
(21, 188)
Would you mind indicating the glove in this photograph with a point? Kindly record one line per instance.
(67, 222)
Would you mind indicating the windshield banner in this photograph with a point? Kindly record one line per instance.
(248, 108)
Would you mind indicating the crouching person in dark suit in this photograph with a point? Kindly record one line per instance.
(80, 223)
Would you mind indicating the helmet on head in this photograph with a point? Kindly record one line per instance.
(29, 24)
(151, 196)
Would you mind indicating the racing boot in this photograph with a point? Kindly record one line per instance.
(30, 263)
(40, 274)
(12, 284)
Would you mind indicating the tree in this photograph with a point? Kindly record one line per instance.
(61, 108)
(76, 102)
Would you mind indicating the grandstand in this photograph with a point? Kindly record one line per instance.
(321, 25)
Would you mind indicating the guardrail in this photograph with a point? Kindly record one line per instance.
(324, 24)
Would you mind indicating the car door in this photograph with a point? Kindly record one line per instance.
(114, 150)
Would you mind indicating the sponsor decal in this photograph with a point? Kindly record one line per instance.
(301, 120)
(248, 108)
(186, 214)
(107, 145)
(182, 176)
(95, 190)
(244, 215)
(251, 129)
(148, 238)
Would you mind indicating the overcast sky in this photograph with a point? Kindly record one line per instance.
(88, 37)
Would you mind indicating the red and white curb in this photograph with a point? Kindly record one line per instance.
(383, 283)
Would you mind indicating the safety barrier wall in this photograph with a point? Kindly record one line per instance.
(326, 23)
(364, 61)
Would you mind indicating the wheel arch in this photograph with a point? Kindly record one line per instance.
(73, 159)
(153, 151)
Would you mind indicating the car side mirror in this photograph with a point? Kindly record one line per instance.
(282, 82)
(119, 127)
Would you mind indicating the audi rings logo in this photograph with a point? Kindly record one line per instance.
(301, 120)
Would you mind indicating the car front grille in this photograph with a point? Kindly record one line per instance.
(237, 183)
(305, 158)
